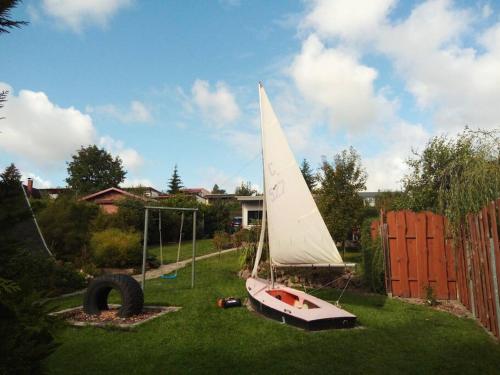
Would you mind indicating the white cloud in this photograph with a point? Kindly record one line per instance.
(213, 175)
(39, 130)
(134, 182)
(132, 160)
(333, 79)
(447, 76)
(219, 106)
(77, 14)
(137, 112)
(386, 168)
(347, 19)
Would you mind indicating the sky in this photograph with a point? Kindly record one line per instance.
(164, 83)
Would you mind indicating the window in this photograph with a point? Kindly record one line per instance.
(254, 217)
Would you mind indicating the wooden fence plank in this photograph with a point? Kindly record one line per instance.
(488, 271)
(422, 253)
(442, 291)
(402, 253)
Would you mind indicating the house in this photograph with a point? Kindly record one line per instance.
(369, 197)
(212, 198)
(146, 191)
(251, 210)
(107, 199)
(251, 206)
(31, 191)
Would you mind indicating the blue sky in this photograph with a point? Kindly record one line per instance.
(170, 82)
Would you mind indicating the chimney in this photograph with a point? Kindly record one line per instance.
(30, 186)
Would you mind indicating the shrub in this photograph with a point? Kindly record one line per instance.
(244, 236)
(373, 259)
(222, 240)
(26, 332)
(116, 248)
(65, 224)
(38, 273)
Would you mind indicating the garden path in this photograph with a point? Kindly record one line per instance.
(171, 267)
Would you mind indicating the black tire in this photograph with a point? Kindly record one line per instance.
(96, 297)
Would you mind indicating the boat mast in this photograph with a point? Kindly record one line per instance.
(264, 201)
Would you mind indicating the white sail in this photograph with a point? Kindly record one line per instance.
(297, 233)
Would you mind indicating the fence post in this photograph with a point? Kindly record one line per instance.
(495, 281)
(384, 233)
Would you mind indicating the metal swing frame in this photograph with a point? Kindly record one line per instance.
(145, 244)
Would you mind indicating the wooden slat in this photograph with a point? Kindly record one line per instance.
(402, 255)
(422, 253)
(488, 271)
(442, 291)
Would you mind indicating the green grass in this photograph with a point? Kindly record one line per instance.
(203, 247)
(395, 337)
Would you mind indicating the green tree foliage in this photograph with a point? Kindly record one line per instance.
(338, 195)
(245, 189)
(11, 175)
(25, 274)
(93, 169)
(175, 182)
(217, 190)
(6, 22)
(308, 175)
(26, 331)
(66, 227)
(217, 217)
(389, 200)
(454, 176)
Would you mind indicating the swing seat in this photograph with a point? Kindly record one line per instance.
(168, 276)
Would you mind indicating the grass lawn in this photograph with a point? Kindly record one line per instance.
(203, 247)
(395, 337)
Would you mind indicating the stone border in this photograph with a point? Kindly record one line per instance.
(164, 310)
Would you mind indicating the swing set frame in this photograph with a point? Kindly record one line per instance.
(145, 244)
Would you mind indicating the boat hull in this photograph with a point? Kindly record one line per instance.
(319, 315)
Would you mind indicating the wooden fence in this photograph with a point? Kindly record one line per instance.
(419, 253)
(478, 266)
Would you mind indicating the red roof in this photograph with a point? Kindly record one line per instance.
(120, 191)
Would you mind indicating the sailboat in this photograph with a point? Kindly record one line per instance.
(297, 236)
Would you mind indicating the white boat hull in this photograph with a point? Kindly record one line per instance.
(297, 308)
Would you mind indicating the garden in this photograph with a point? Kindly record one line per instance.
(392, 336)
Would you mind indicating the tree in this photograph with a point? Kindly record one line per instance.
(217, 190)
(66, 225)
(11, 175)
(389, 200)
(338, 196)
(308, 174)
(175, 182)
(93, 169)
(454, 176)
(245, 189)
(6, 23)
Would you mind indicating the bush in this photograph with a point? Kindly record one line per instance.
(26, 332)
(39, 273)
(116, 248)
(244, 236)
(222, 240)
(373, 259)
(65, 224)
